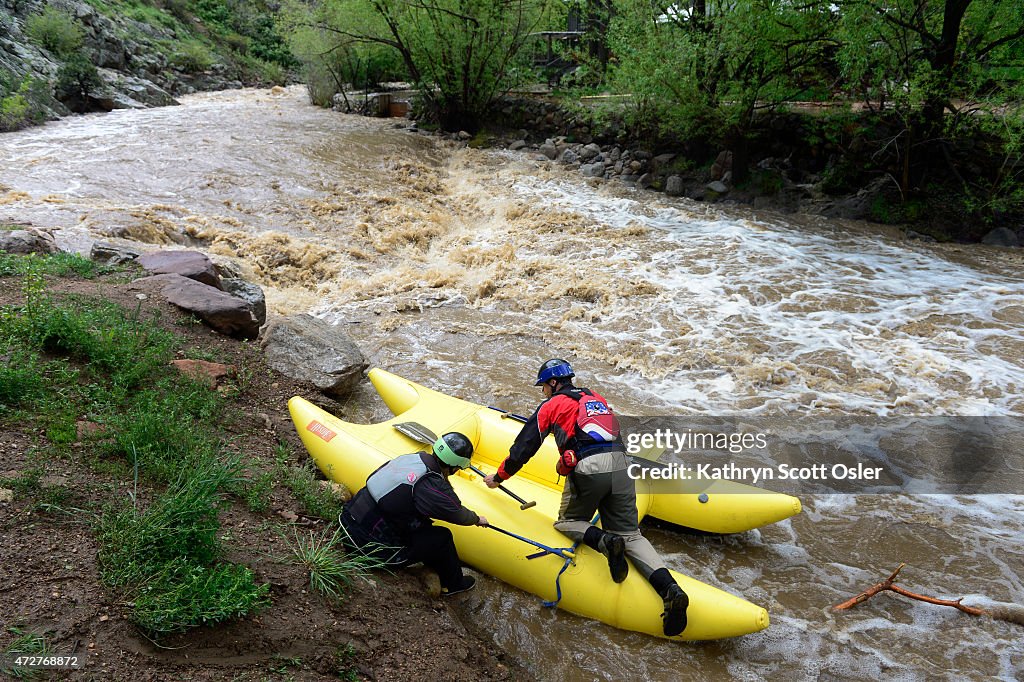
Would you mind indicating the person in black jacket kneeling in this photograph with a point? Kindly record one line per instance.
(391, 517)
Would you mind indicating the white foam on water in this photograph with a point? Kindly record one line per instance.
(889, 313)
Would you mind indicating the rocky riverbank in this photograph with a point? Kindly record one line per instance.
(785, 174)
(73, 56)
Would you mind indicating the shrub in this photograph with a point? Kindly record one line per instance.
(14, 110)
(330, 569)
(104, 334)
(21, 103)
(192, 57)
(76, 79)
(55, 31)
(177, 8)
(186, 596)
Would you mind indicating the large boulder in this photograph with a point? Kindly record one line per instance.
(77, 240)
(27, 241)
(227, 314)
(250, 293)
(308, 349)
(674, 186)
(113, 254)
(1001, 236)
(191, 264)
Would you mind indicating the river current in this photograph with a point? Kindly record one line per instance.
(463, 269)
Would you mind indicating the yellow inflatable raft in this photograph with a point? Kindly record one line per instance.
(711, 506)
(349, 453)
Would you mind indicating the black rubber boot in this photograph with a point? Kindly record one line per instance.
(615, 550)
(467, 584)
(673, 621)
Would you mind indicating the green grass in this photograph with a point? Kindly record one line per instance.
(102, 334)
(69, 358)
(25, 643)
(22, 377)
(185, 595)
(280, 663)
(28, 482)
(255, 490)
(165, 428)
(57, 264)
(168, 558)
(314, 498)
(331, 570)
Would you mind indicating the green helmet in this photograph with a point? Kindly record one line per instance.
(454, 449)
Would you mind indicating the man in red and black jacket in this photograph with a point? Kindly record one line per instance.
(594, 460)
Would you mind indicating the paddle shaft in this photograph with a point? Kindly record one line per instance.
(422, 434)
(505, 414)
(523, 504)
(564, 553)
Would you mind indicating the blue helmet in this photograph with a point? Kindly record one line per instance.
(554, 369)
(454, 449)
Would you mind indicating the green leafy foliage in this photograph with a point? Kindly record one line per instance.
(76, 80)
(250, 28)
(705, 76)
(21, 377)
(463, 53)
(192, 57)
(21, 101)
(332, 62)
(69, 356)
(55, 30)
(103, 334)
(186, 596)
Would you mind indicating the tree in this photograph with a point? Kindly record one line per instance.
(705, 70)
(76, 80)
(333, 62)
(462, 54)
(921, 59)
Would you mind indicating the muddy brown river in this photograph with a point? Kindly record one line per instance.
(464, 269)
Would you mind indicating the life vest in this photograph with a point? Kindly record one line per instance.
(597, 428)
(388, 496)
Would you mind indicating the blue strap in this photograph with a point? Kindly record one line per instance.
(558, 579)
(565, 566)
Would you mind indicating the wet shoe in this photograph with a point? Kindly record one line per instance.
(674, 619)
(615, 547)
(467, 584)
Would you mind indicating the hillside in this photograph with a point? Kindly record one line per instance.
(70, 55)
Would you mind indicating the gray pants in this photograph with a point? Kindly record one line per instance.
(600, 483)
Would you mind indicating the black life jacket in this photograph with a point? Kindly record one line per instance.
(388, 497)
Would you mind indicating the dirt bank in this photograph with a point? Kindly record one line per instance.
(389, 628)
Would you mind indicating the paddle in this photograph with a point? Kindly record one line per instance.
(505, 414)
(563, 552)
(421, 434)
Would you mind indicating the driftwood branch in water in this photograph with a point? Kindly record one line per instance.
(887, 585)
